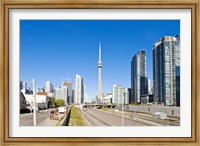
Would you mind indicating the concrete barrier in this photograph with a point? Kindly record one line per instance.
(66, 119)
(170, 111)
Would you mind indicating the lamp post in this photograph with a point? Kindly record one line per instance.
(123, 112)
(167, 117)
(124, 92)
(34, 103)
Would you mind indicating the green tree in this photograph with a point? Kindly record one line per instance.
(60, 102)
(52, 102)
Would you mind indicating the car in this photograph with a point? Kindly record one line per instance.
(61, 109)
(160, 115)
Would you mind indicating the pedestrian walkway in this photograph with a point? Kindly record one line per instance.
(51, 122)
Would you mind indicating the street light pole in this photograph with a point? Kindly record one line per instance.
(124, 92)
(167, 117)
(34, 103)
(123, 112)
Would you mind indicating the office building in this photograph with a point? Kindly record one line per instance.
(166, 61)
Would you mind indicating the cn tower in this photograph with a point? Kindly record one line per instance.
(99, 65)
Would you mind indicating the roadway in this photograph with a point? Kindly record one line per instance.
(27, 119)
(98, 117)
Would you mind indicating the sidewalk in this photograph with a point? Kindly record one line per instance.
(40, 111)
(51, 122)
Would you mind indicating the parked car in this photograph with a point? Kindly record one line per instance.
(160, 115)
(61, 109)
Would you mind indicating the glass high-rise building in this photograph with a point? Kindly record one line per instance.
(166, 61)
(49, 87)
(178, 86)
(139, 81)
(69, 92)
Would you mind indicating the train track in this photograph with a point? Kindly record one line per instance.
(91, 118)
(101, 118)
(155, 120)
(128, 121)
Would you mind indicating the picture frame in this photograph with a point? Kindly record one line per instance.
(111, 4)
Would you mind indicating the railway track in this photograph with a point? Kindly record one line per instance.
(128, 121)
(101, 118)
(152, 119)
(94, 120)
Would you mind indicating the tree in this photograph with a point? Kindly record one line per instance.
(60, 102)
(51, 102)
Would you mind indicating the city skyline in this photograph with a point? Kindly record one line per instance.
(80, 57)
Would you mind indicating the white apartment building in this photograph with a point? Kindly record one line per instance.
(118, 96)
(41, 100)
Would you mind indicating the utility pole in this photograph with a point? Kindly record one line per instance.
(34, 103)
(123, 114)
(123, 99)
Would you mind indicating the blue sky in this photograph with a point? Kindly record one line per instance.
(57, 49)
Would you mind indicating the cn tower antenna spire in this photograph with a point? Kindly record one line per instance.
(99, 52)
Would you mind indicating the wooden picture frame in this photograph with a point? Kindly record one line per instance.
(60, 4)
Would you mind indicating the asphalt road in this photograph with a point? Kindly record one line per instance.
(27, 119)
(97, 117)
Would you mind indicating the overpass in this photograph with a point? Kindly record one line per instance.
(98, 106)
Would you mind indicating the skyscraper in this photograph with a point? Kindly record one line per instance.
(166, 62)
(78, 89)
(58, 93)
(69, 92)
(99, 65)
(82, 92)
(49, 87)
(64, 91)
(139, 81)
